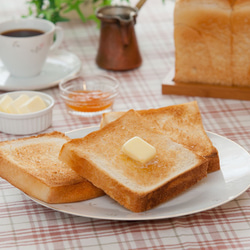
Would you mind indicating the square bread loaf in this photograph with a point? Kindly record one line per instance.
(212, 42)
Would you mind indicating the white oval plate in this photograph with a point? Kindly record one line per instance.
(58, 66)
(218, 188)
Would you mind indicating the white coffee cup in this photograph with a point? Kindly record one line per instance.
(25, 56)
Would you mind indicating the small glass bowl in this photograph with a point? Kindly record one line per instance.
(89, 96)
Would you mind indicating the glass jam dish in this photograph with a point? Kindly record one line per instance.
(89, 96)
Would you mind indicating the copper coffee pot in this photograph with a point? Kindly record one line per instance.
(118, 48)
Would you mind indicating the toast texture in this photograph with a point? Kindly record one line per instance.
(183, 124)
(211, 42)
(98, 157)
(31, 164)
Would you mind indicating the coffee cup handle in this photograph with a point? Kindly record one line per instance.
(58, 38)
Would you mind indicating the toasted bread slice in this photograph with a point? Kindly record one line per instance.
(32, 165)
(98, 157)
(183, 124)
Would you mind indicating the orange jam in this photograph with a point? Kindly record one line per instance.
(89, 101)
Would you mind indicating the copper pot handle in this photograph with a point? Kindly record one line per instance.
(140, 4)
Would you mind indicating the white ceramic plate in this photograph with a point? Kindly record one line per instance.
(218, 188)
(59, 65)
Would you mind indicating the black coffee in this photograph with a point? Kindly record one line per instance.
(22, 33)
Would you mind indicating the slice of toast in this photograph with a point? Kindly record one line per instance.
(183, 124)
(32, 165)
(98, 157)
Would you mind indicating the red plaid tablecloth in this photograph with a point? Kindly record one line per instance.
(26, 225)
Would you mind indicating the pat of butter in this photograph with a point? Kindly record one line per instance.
(4, 103)
(139, 150)
(14, 106)
(34, 104)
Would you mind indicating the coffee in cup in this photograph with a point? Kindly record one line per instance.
(25, 44)
(22, 33)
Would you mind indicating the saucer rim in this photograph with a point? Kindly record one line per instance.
(46, 84)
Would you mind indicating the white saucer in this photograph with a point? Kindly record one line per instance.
(59, 65)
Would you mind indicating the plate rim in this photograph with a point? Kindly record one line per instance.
(139, 216)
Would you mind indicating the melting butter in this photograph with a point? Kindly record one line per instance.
(139, 150)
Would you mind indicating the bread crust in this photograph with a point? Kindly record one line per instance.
(32, 165)
(138, 187)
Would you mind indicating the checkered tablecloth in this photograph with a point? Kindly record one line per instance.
(25, 224)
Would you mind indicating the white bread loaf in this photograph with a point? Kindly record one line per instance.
(240, 26)
(212, 42)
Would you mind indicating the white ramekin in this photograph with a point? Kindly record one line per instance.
(30, 123)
